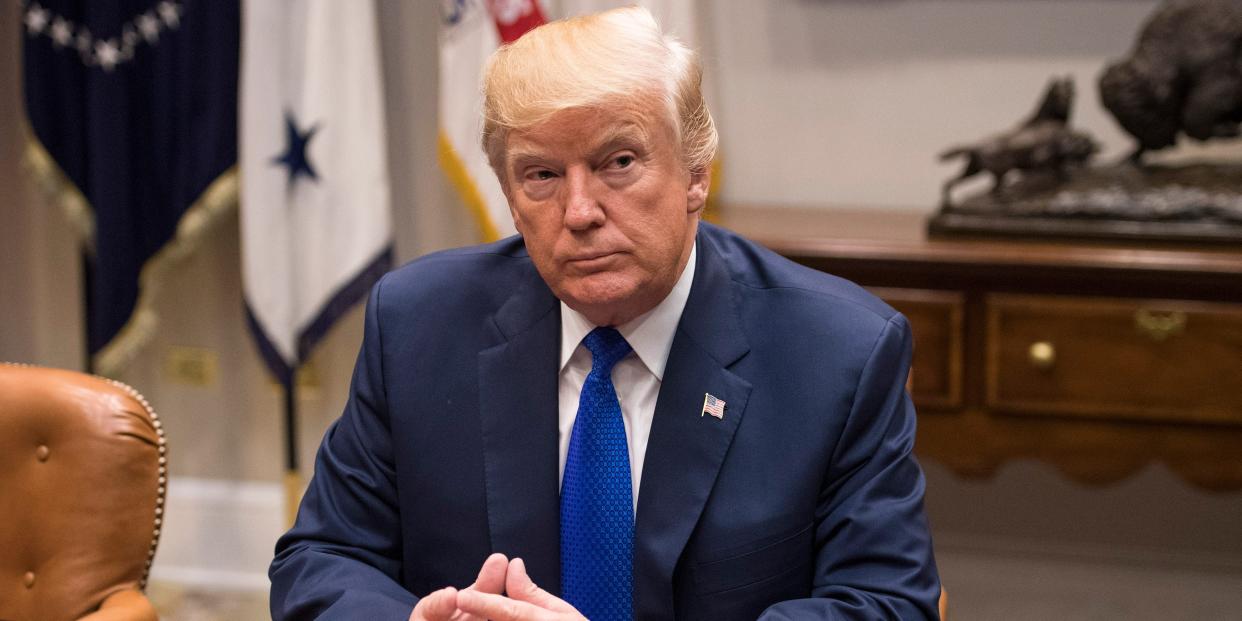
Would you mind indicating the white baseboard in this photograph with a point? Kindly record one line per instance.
(219, 534)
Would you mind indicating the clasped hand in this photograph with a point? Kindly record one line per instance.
(502, 592)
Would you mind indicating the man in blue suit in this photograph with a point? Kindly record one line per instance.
(622, 412)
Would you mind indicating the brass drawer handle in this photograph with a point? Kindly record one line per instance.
(1042, 355)
(1159, 325)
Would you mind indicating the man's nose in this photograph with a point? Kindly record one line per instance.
(582, 208)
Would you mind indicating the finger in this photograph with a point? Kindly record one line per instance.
(519, 586)
(499, 607)
(492, 575)
(440, 605)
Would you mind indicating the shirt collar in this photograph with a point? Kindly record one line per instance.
(650, 334)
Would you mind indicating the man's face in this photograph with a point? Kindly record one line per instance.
(606, 207)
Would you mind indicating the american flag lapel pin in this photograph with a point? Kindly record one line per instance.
(713, 406)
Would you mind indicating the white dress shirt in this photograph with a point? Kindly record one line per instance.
(636, 377)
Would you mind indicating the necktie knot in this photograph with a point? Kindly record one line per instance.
(607, 346)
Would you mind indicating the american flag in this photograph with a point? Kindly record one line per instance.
(713, 406)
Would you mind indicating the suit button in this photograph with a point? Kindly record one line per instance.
(42, 452)
(28, 579)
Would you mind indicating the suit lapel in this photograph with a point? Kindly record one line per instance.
(686, 449)
(518, 409)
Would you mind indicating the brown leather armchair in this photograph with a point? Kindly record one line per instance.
(82, 478)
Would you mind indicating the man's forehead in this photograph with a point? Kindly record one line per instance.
(594, 123)
(592, 127)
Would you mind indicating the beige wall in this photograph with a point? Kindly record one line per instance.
(847, 102)
(824, 103)
(39, 321)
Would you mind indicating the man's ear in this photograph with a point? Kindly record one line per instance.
(696, 193)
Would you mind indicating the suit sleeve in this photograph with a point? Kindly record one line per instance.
(341, 559)
(873, 554)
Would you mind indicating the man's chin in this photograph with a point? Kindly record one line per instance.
(604, 301)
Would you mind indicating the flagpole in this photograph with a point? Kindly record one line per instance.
(293, 479)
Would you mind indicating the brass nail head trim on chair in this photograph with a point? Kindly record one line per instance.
(162, 472)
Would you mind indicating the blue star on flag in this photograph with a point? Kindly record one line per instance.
(294, 158)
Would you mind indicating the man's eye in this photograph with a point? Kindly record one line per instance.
(624, 161)
(541, 175)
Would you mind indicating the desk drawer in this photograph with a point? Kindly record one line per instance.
(936, 322)
(1155, 360)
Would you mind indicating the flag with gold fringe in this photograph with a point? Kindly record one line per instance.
(132, 107)
(470, 31)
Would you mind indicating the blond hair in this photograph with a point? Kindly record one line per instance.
(587, 61)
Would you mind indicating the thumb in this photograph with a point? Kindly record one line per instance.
(519, 586)
(492, 575)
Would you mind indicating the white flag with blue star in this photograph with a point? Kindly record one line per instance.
(315, 223)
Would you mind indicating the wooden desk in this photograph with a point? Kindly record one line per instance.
(1096, 357)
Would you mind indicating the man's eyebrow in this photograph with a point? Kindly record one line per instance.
(623, 134)
(519, 156)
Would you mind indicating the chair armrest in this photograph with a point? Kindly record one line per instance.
(124, 605)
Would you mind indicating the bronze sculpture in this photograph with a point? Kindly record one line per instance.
(1183, 76)
(1042, 143)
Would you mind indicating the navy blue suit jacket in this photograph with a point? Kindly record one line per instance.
(803, 502)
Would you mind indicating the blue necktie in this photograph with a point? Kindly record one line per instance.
(597, 510)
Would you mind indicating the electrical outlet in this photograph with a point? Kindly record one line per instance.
(195, 366)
